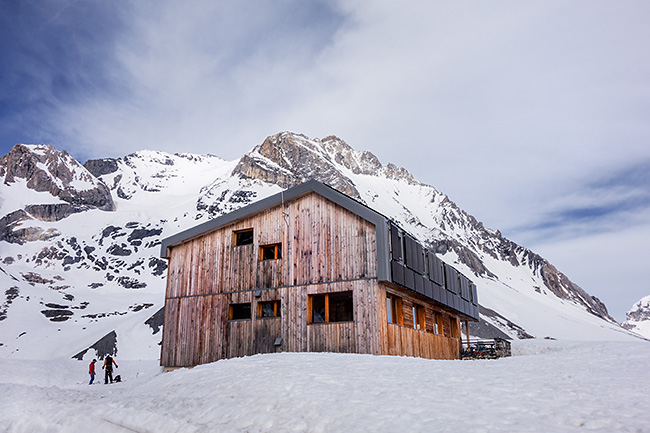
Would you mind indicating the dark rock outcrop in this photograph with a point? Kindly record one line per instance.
(107, 345)
(100, 167)
(156, 321)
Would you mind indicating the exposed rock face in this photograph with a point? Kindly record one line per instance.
(107, 345)
(53, 212)
(47, 170)
(288, 159)
(100, 167)
(11, 232)
(640, 311)
(638, 318)
(156, 321)
(44, 169)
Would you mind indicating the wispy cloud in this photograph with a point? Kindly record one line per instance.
(608, 203)
(532, 116)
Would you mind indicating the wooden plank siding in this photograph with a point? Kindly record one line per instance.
(325, 248)
(403, 339)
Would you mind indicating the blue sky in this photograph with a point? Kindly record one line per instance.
(531, 116)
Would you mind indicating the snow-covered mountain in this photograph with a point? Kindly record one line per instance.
(638, 318)
(79, 244)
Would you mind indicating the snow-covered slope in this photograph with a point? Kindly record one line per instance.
(638, 318)
(79, 245)
(551, 386)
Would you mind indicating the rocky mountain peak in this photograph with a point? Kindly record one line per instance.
(288, 159)
(638, 318)
(45, 169)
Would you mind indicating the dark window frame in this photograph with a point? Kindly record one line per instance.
(240, 237)
(235, 311)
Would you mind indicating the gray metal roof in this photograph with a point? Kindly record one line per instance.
(363, 211)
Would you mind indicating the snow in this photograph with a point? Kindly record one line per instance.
(548, 386)
(19, 196)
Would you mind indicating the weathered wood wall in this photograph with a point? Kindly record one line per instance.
(404, 340)
(325, 248)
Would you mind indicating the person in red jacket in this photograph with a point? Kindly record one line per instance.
(108, 368)
(91, 371)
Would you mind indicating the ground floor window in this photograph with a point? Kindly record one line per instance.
(239, 311)
(268, 309)
(437, 323)
(394, 309)
(331, 307)
(418, 317)
(271, 252)
(454, 327)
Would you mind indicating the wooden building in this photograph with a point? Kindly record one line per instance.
(308, 270)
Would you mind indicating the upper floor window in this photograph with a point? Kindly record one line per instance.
(271, 252)
(331, 307)
(243, 237)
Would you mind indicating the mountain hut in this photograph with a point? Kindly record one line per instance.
(308, 270)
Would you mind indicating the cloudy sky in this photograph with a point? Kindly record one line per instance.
(533, 116)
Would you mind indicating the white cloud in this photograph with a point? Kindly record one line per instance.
(511, 108)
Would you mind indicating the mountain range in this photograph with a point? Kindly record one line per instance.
(79, 243)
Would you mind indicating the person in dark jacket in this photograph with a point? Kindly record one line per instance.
(91, 371)
(108, 368)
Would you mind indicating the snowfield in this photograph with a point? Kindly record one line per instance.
(548, 386)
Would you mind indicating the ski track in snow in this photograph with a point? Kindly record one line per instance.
(548, 386)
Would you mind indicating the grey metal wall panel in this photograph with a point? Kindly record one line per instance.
(409, 251)
(451, 279)
(396, 242)
(443, 296)
(436, 269)
(409, 279)
(437, 292)
(474, 294)
(451, 298)
(473, 311)
(428, 288)
(419, 258)
(464, 287)
(419, 284)
(398, 272)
